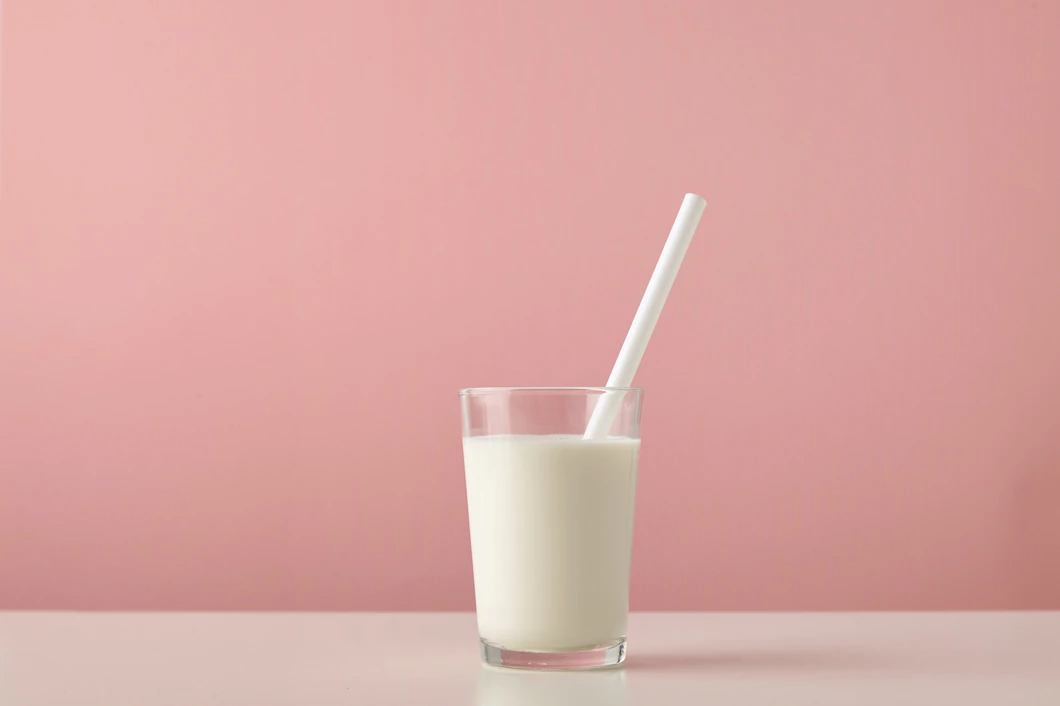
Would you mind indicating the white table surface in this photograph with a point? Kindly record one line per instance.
(185, 659)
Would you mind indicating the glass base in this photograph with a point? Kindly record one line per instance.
(599, 657)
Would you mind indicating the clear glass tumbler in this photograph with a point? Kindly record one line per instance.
(551, 517)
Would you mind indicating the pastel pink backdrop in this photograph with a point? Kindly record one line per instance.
(250, 250)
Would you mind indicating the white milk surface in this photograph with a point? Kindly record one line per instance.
(551, 528)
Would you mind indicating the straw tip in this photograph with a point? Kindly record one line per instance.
(694, 197)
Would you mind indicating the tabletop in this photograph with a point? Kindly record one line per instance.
(186, 659)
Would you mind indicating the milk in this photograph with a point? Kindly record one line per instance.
(551, 527)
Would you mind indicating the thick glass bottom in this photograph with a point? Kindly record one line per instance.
(598, 657)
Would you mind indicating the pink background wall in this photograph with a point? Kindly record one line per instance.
(251, 249)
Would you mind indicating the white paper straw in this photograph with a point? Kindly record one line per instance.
(662, 279)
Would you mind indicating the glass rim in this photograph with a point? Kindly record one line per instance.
(603, 388)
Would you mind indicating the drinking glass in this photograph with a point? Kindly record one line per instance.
(551, 519)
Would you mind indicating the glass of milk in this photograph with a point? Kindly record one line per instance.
(551, 516)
